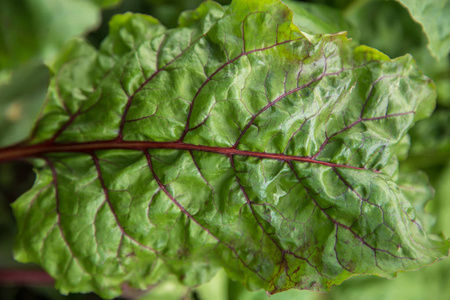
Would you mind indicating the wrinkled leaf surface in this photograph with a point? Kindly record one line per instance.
(232, 141)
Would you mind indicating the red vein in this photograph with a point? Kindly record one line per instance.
(328, 138)
(186, 129)
(58, 213)
(191, 217)
(111, 207)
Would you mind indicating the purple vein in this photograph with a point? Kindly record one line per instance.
(361, 239)
(105, 192)
(275, 102)
(208, 79)
(158, 70)
(327, 139)
(58, 212)
(187, 214)
(260, 225)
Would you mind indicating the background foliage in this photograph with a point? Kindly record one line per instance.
(32, 32)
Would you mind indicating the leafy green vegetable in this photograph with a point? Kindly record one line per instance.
(233, 141)
(434, 17)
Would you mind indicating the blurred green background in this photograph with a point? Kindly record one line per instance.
(33, 31)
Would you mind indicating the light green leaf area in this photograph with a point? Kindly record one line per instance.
(433, 15)
(168, 289)
(232, 141)
(37, 29)
(428, 283)
(442, 207)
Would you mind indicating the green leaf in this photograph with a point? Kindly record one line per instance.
(433, 15)
(37, 29)
(232, 141)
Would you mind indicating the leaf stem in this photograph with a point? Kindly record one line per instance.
(25, 277)
(38, 150)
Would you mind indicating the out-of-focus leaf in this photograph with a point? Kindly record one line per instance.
(14, 179)
(434, 16)
(170, 289)
(232, 141)
(338, 4)
(441, 204)
(443, 89)
(237, 291)
(168, 11)
(418, 190)
(317, 18)
(386, 26)
(20, 100)
(105, 3)
(428, 283)
(216, 289)
(36, 29)
(431, 146)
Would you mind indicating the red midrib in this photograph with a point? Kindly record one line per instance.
(14, 153)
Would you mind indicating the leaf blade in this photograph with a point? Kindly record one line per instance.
(158, 185)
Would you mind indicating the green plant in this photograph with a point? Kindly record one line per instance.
(233, 141)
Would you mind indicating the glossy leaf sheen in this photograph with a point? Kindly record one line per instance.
(232, 141)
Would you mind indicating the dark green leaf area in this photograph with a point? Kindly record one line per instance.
(231, 141)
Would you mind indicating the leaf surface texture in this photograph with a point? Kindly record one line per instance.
(233, 141)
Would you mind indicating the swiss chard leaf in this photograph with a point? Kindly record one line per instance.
(232, 141)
